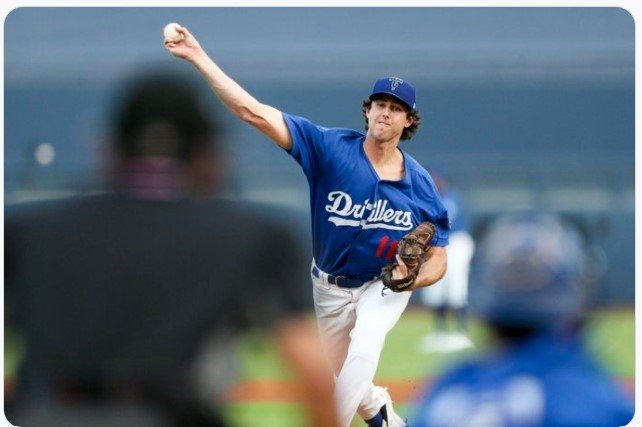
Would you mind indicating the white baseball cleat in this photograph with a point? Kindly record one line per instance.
(433, 342)
(445, 342)
(390, 417)
(460, 341)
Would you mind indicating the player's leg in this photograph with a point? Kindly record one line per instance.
(434, 297)
(462, 248)
(441, 316)
(457, 298)
(336, 315)
(376, 315)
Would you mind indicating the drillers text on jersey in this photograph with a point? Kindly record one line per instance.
(351, 214)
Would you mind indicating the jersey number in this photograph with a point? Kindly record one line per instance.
(386, 248)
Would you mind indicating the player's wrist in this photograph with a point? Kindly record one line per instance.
(198, 57)
(416, 284)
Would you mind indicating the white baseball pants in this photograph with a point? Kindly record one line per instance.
(353, 324)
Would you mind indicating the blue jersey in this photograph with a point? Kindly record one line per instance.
(542, 383)
(357, 218)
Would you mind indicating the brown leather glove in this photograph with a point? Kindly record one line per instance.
(412, 250)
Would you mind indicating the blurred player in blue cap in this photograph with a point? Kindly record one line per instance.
(529, 283)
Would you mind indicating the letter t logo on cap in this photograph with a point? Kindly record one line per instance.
(394, 82)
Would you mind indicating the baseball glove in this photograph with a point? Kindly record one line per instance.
(412, 249)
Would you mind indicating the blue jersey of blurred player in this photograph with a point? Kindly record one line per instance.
(529, 283)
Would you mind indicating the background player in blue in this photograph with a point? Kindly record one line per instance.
(365, 194)
(449, 296)
(529, 283)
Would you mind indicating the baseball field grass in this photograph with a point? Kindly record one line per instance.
(265, 394)
(403, 366)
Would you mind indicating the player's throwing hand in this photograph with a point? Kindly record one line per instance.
(186, 48)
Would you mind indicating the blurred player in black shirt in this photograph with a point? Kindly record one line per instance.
(117, 294)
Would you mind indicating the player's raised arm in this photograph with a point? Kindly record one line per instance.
(265, 118)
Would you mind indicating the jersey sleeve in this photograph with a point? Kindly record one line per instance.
(309, 145)
(431, 205)
(442, 223)
(434, 210)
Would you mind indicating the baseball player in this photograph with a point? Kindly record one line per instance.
(365, 195)
(450, 295)
(531, 288)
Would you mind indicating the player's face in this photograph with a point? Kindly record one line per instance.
(387, 118)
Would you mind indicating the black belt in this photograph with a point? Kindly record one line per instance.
(340, 281)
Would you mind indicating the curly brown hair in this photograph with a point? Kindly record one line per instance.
(408, 132)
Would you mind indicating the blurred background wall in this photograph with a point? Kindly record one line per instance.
(523, 107)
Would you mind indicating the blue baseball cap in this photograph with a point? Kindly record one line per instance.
(530, 269)
(394, 86)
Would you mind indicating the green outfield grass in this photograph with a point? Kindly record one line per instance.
(278, 415)
(611, 338)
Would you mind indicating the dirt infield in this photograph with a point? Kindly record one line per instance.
(265, 390)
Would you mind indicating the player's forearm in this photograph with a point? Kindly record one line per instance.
(233, 96)
(265, 118)
(433, 269)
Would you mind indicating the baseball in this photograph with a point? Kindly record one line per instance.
(170, 33)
